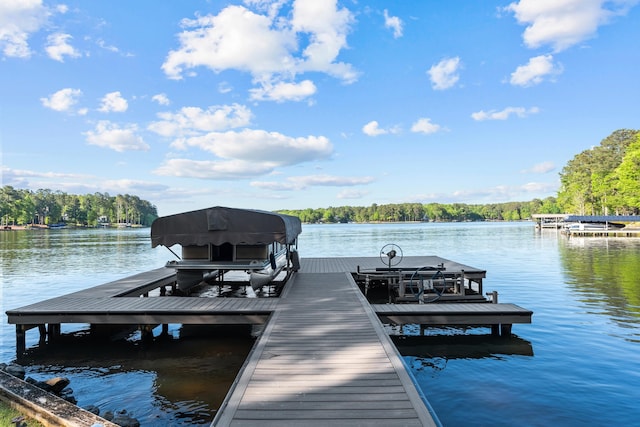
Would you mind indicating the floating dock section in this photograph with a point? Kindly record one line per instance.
(324, 357)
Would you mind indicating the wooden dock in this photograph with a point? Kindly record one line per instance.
(324, 357)
(621, 232)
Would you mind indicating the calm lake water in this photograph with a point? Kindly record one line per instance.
(577, 364)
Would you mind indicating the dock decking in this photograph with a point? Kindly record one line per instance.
(324, 357)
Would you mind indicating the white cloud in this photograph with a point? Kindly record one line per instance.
(539, 187)
(189, 121)
(326, 28)
(24, 173)
(110, 135)
(18, 21)
(373, 129)
(283, 91)
(535, 71)
(80, 183)
(247, 153)
(425, 126)
(161, 99)
(225, 87)
(62, 100)
(22, 178)
(394, 23)
(564, 23)
(444, 74)
(541, 168)
(502, 193)
(504, 114)
(58, 47)
(113, 102)
(132, 186)
(303, 182)
(274, 48)
(241, 153)
(103, 44)
(214, 42)
(260, 146)
(351, 194)
(212, 169)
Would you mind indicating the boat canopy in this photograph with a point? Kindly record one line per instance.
(602, 218)
(219, 225)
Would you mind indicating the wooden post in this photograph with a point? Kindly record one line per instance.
(505, 330)
(494, 296)
(366, 285)
(53, 331)
(42, 329)
(21, 345)
(400, 286)
(146, 332)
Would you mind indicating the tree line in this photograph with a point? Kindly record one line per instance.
(604, 179)
(510, 211)
(46, 207)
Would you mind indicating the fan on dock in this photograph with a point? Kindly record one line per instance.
(391, 254)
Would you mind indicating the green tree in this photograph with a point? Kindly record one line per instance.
(8, 204)
(588, 183)
(627, 176)
(25, 209)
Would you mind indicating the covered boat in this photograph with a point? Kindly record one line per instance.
(219, 239)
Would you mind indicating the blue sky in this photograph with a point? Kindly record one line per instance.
(308, 103)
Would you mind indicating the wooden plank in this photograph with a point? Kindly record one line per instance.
(333, 414)
(326, 398)
(332, 405)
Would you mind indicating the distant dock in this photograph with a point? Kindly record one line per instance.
(590, 225)
(324, 357)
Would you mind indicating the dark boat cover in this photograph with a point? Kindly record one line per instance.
(220, 225)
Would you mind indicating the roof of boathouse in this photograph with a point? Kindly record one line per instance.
(218, 225)
(602, 218)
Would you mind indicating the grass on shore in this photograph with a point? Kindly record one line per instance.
(7, 413)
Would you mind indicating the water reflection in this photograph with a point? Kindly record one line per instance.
(604, 274)
(430, 349)
(180, 379)
(462, 346)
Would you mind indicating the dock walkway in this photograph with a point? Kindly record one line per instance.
(324, 359)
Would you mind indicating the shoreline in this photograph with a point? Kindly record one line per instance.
(40, 227)
(45, 407)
